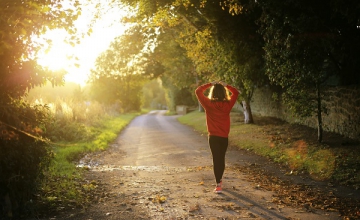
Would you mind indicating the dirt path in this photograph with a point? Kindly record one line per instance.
(161, 169)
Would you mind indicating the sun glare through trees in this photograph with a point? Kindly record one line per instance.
(96, 27)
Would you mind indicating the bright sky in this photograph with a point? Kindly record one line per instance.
(104, 31)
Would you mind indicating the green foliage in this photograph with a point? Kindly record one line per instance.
(68, 112)
(303, 43)
(22, 161)
(153, 95)
(124, 91)
(302, 51)
(67, 120)
(231, 54)
(185, 97)
(201, 41)
(177, 73)
(298, 44)
(23, 156)
(118, 75)
(64, 130)
(20, 22)
(294, 57)
(19, 115)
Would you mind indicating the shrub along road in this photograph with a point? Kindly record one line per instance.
(160, 169)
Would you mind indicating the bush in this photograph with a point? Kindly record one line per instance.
(68, 119)
(22, 161)
(23, 156)
(62, 130)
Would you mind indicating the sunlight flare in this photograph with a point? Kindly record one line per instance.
(95, 36)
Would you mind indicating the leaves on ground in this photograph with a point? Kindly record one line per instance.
(301, 195)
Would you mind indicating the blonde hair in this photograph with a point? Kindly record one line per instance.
(218, 93)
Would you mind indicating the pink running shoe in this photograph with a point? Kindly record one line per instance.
(218, 188)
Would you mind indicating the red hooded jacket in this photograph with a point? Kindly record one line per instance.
(217, 113)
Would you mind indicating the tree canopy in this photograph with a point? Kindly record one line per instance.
(218, 44)
(118, 76)
(298, 46)
(20, 22)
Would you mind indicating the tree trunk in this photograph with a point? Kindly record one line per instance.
(248, 118)
(201, 109)
(127, 92)
(319, 113)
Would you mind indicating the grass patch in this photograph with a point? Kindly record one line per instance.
(63, 183)
(169, 113)
(294, 146)
(194, 119)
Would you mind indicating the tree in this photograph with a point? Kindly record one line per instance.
(118, 77)
(154, 95)
(206, 31)
(20, 21)
(304, 47)
(178, 76)
(23, 154)
(165, 59)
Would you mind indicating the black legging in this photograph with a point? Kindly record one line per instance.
(218, 146)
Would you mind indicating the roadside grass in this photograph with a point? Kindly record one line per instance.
(63, 184)
(294, 146)
(169, 113)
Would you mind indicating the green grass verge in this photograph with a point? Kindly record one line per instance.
(194, 119)
(278, 143)
(63, 180)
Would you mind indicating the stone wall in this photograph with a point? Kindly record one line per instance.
(343, 105)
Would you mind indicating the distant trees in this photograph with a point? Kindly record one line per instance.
(153, 95)
(117, 76)
(177, 71)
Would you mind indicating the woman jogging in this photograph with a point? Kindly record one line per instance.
(217, 107)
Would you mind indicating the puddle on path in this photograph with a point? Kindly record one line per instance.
(94, 165)
(101, 168)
